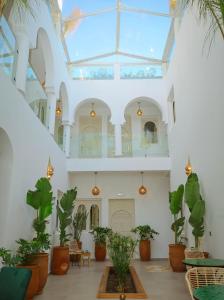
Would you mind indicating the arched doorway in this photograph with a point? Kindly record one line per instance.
(6, 164)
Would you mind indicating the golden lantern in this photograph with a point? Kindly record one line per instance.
(188, 168)
(92, 112)
(142, 190)
(58, 111)
(122, 296)
(95, 190)
(173, 4)
(50, 170)
(139, 111)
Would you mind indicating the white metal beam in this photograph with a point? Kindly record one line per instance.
(169, 42)
(143, 11)
(78, 62)
(118, 24)
(147, 59)
(95, 13)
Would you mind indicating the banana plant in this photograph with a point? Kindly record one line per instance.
(41, 201)
(65, 210)
(175, 200)
(196, 206)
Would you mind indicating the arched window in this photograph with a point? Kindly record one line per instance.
(82, 213)
(60, 134)
(42, 115)
(150, 132)
(94, 216)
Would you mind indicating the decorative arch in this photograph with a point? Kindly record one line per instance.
(44, 44)
(6, 163)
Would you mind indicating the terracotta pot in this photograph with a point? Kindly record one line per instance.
(100, 252)
(206, 254)
(41, 259)
(176, 256)
(34, 281)
(60, 260)
(145, 250)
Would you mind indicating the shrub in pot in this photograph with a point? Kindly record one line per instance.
(196, 207)
(146, 233)
(121, 249)
(100, 235)
(79, 224)
(41, 201)
(176, 250)
(60, 257)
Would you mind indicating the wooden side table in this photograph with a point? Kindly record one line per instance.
(86, 257)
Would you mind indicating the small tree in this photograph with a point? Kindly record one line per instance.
(79, 224)
(64, 211)
(145, 232)
(196, 206)
(176, 199)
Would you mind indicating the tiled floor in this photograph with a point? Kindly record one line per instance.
(82, 283)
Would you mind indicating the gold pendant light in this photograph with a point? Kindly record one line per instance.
(92, 112)
(188, 167)
(95, 189)
(58, 110)
(50, 170)
(142, 190)
(139, 111)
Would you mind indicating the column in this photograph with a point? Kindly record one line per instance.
(118, 140)
(136, 134)
(67, 138)
(51, 107)
(104, 136)
(22, 60)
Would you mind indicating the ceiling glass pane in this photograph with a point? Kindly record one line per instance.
(86, 6)
(143, 34)
(152, 5)
(94, 36)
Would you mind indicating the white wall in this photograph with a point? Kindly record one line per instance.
(32, 145)
(197, 78)
(150, 209)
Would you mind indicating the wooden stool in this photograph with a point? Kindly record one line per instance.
(86, 256)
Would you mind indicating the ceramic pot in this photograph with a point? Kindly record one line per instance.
(100, 252)
(145, 250)
(60, 260)
(176, 256)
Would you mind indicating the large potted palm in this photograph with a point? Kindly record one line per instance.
(196, 207)
(100, 235)
(60, 257)
(146, 233)
(41, 200)
(176, 250)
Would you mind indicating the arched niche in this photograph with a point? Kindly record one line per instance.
(82, 209)
(94, 216)
(6, 165)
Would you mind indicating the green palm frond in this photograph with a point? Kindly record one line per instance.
(210, 9)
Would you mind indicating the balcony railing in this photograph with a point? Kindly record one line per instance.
(98, 146)
(7, 49)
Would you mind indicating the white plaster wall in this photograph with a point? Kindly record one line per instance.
(150, 209)
(197, 78)
(32, 145)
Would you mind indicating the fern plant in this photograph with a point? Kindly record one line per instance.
(64, 211)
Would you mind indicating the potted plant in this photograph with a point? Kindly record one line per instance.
(60, 258)
(22, 260)
(100, 235)
(121, 249)
(146, 233)
(196, 206)
(79, 223)
(41, 201)
(176, 250)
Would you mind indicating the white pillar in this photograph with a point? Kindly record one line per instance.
(22, 60)
(104, 136)
(136, 134)
(51, 108)
(118, 140)
(66, 138)
(117, 71)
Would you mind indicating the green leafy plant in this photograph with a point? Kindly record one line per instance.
(8, 258)
(79, 223)
(41, 201)
(121, 250)
(175, 200)
(64, 211)
(212, 10)
(196, 206)
(27, 249)
(100, 234)
(145, 232)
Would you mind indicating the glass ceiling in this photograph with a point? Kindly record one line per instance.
(109, 31)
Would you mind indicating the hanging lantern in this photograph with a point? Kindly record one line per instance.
(139, 111)
(142, 190)
(95, 190)
(188, 168)
(92, 112)
(58, 110)
(50, 170)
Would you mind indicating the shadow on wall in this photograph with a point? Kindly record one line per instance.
(6, 163)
